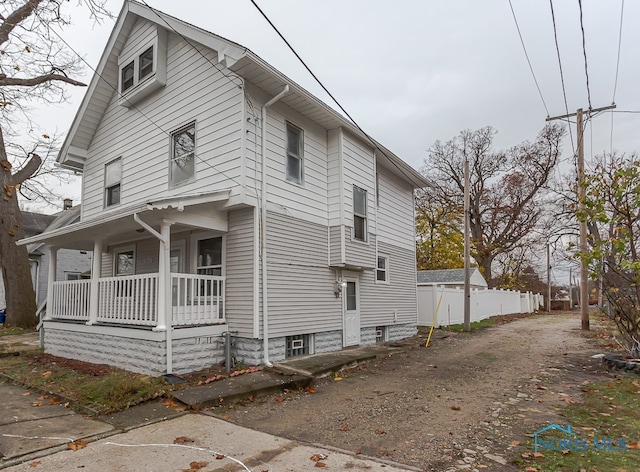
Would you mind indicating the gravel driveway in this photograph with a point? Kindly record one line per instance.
(465, 403)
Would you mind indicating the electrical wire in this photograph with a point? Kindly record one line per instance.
(615, 83)
(527, 56)
(371, 140)
(133, 106)
(584, 53)
(564, 91)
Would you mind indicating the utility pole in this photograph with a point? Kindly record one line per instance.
(584, 275)
(548, 278)
(467, 268)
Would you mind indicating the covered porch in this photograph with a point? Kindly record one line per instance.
(156, 277)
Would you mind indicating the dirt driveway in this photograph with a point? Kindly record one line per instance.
(465, 403)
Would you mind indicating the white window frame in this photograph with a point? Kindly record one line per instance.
(299, 154)
(121, 250)
(173, 158)
(356, 215)
(153, 63)
(70, 275)
(108, 186)
(384, 270)
(193, 250)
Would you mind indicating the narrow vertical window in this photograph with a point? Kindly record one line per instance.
(183, 145)
(126, 80)
(359, 214)
(382, 269)
(112, 177)
(145, 63)
(294, 154)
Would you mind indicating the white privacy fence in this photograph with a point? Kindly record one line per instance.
(485, 303)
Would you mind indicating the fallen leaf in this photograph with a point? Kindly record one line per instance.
(198, 465)
(182, 440)
(35, 463)
(46, 374)
(279, 399)
(310, 389)
(344, 427)
(219, 457)
(54, 401)
(320, 464)
(566, 452)
(530, 469)
(380, 431)
(26, 394)
(169, 403)
(526, 455)
(226, 417)
(540, 387)
(336, 377)
(515, 443)
(633, 445)
(37, 404)
(538, 455)
(77, 444)
(455, 407)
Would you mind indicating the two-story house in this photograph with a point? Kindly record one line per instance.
(218, 196)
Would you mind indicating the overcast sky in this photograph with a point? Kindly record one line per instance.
(411, 72)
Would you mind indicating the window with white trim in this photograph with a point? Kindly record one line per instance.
(183, 146)
(294, 163)
(145, 63)
(124, 262)
(359, 214)
(127, 75)
(72, 276)
(112, 178)
(382, 269)
(209, 262)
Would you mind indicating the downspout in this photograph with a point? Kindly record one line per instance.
(265, 307)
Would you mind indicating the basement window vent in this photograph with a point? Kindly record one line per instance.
(381, 334)
(297, 345)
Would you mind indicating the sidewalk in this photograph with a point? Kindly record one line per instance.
(35, 431)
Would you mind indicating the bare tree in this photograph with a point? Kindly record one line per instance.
(506, 187)
(35, 67)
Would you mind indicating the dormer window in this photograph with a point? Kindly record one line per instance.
(127, 76)
(145, 63)
(143, 69)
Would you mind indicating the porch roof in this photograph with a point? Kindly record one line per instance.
(118, 225)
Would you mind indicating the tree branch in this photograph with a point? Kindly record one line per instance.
(34, 81)
(28, 170)
(15, 18)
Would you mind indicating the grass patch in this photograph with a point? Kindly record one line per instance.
(476, 325)
(101, 388)
(13, 330)
(609, 418)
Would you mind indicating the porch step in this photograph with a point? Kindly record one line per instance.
(239, 388)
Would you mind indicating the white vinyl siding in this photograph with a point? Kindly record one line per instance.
(395, 213)
(195, 91)
(301, 297)
(239, 272)
(379, 301)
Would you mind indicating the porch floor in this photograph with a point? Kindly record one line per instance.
(292, 373)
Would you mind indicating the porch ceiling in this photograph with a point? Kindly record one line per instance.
(118, 225)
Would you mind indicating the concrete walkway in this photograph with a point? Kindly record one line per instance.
(35, 432)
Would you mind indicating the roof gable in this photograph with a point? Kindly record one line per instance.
(230, 55)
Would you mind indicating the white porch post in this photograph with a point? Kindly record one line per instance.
(96, 271)
(164, 277)
(53, 268)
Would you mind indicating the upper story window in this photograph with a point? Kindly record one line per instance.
(112, 178)
(183, 146)
(126, 76)
(294, 154)
(142, 68)
(382, 269)
(145, 63)
(359, 214)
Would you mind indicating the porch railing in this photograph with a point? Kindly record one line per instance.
(70, 300)
(133, 300)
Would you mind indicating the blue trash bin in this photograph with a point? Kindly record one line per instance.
(3, 314)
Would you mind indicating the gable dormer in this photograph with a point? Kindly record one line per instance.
(142, 63)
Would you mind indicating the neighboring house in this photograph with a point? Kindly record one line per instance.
(71, 263)
(451, 278)
(219, 196)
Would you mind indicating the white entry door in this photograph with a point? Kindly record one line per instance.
(351, 313)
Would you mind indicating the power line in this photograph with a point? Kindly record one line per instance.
(371, 140)
(564, 91)
(615, 83)
(527, 56)
(584, 53)
(131, 105)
